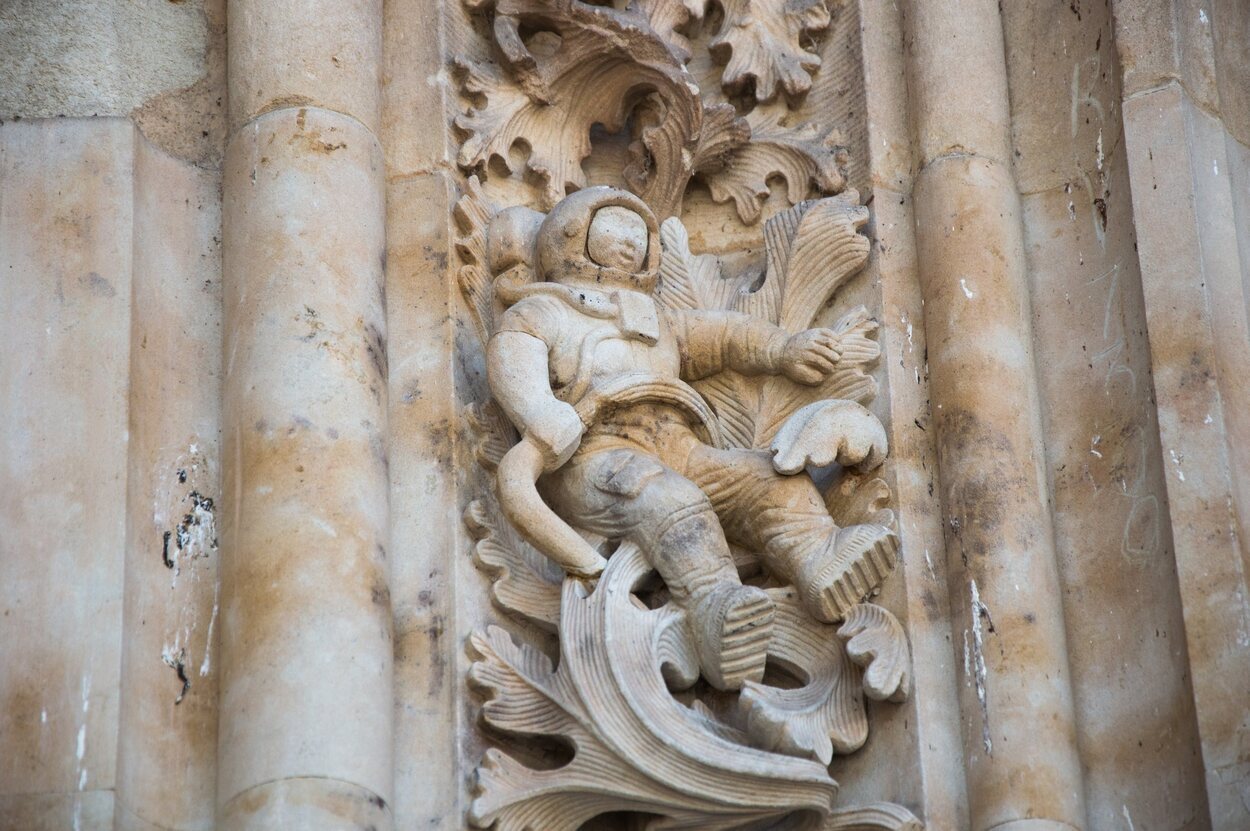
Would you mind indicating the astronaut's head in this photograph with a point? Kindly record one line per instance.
(602, 238)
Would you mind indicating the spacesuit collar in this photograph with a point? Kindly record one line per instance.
(635, 312)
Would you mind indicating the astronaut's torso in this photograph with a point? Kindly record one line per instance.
(592, 352)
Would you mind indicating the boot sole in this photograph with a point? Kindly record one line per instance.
(745, 635)
(866, 571)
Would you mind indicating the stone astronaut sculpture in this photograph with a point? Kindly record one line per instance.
(593, 371)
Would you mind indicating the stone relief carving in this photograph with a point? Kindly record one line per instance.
(564, 66)
(651, 428)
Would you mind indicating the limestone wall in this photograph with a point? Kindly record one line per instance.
(235, 364)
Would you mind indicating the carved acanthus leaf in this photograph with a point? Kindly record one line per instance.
(829, 431)
(762, 42)
(828, 250)
(587, 65)
(801, 155)
(635, 747)
(524, 582)
(736, 401)
(493, 433)
(812, 249)
(691, 281)
(860, 497)
(723, 133)
(826, 714)
(472, 214)
(669, 18)
(875, 640)
(878, 816)
(780, 397)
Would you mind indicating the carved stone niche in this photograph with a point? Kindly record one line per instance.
(681, 491)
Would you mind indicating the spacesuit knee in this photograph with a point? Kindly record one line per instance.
(669, 516)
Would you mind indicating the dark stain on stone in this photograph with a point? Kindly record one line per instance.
(981, 506)
(178, 664)
(375, 346)
(380, 594)
(97, 285)
(438, 662)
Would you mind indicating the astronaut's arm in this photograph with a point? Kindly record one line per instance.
(711, 341)
(516, 369)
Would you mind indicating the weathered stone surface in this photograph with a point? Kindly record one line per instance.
(90, 810)
(998, 533)
(426, 470)
(292, 54)
(305, 803)
(1174, 150)
(167, 727)
(65, 255)
(1055, 282)
(304, 525)
(1104, 467)
(97, 59)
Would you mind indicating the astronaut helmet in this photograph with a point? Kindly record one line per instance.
(600, 237)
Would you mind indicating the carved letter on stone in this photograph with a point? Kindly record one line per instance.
(651, 428)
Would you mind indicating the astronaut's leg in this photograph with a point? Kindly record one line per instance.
(625, 494)
(785, 519)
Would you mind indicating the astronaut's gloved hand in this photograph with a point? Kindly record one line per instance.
(810, 356)
(557, 433)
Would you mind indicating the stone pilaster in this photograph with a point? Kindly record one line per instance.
(1019, 729)
(167, 727)
(306, 687)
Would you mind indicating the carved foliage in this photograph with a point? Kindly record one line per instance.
(566, 65)
(524, 583)
(669, 18)
(587, 65)
(811, 250)
(875, 640)
(471, 214)
(762, 42)
(802, 156)
(824, 715)
(635, 747)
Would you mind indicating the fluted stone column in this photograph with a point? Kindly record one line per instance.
(306, 686)
(1019, 730)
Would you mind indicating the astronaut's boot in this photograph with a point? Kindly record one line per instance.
(853, 562)
(732, 626)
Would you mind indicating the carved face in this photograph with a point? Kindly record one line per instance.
(617, 238)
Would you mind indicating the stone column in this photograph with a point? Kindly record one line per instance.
(305, 738)
(1019, 733)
